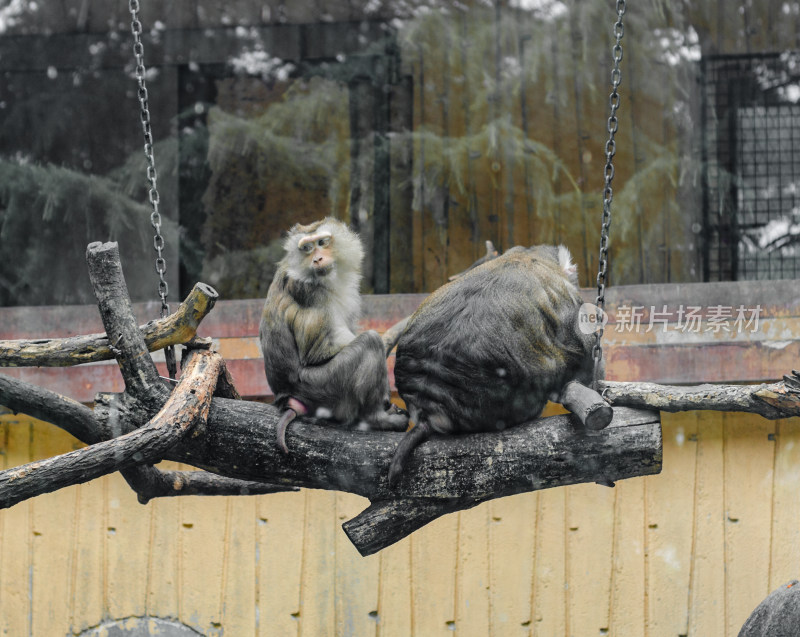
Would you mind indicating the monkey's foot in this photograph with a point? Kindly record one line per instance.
(392, 419)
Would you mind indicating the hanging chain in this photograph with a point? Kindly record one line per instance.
(152, 177)
(608, 193)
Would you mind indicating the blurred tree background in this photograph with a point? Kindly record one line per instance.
(429, 126)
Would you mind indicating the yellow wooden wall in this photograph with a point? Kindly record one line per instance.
(689, 552)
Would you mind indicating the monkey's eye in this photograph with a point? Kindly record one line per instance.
(324, 242)
(307, 247)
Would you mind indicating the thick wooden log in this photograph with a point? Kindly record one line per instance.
(445, 474)
(175, 329)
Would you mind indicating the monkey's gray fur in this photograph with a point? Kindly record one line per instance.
(488, 350)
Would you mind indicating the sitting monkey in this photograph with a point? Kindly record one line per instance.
(313, 359)
(488, 350)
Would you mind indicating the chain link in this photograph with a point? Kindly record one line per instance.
(608, 193)
(152, 175)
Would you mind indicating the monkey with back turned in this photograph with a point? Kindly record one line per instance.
(488, 350)
(314, 362)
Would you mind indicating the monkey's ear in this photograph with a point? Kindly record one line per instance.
(566, 263)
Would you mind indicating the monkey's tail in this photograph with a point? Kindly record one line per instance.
(419, 434)
(288, 416)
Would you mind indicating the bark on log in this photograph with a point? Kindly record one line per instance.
(175, 329)
(770, 400)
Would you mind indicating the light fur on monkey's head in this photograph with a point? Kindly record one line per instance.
(348, 253)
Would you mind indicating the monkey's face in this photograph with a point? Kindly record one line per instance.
(316, 252)
(323, 253)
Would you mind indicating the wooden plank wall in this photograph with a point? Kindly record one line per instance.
(689, 552)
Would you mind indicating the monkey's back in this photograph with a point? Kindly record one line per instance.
(488, 350)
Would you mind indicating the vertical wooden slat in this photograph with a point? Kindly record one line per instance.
(164, 560)
(670, 520)
(433, 195)
(418, 162)
(461, 242)
(707, 581)
(785, 534)
(164, 579)
(472, 587)
(549, 601)
(401, 246)
(202, 556)
(356, 578)
(748, 513)
(317, 607)
(628, 583)
(465, 214)
(512, 539)
(52, 520)
(590, 534)
(127, 534)
(279, 558)
(433, 577)
(88, 574)
(394, 591)
(238, 595)
(17, 538)
(579, 152)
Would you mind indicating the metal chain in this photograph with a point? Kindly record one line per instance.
(608, 193)
(152, 176)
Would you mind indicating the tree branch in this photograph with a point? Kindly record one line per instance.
(70, 415)
(189, 402)
(149, 482)
(142, 380)
(772, 401)
(179, 327)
